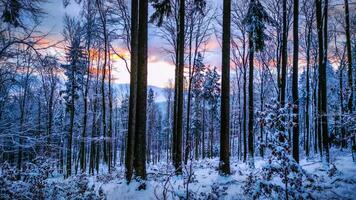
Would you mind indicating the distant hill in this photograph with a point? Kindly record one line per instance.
(125, 89)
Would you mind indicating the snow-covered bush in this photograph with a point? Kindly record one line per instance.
(33, 182)
(30, 183)
(168, 190)
(281, 177)
(76, 187)
(350, 127)
(10, 188)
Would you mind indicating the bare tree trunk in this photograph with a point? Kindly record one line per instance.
(22, 120)
(250, 105)
(295, 82)
(140, 129)
(103, 19)
(284, 54)
(261, 109)
(188, 144)
(94, 129)
(85, 99)
(129, 157)
(50, 115)
(350, 76)
(244, 110)
(316, 114)
(203, 135)
(349, 55)
(177, 161)
(341, 97)
(322, 107)
(225, 92)
(211, 136)
(70, 131)
(307, 85)
(240, 123)
(110, 130)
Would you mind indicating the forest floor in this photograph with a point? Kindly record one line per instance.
(206, 183)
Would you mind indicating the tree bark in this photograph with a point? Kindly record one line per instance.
(284, 55)
(225, 91)
(140, 129)
(85, 98)
(94, 128)
(261, 109)
(295, 83)
(179, 94)
(322, 107)
(130, 146)
(244, 110)
(349, 55)
(70, 130)
(250, 105)
(188, 145)
(307, 85)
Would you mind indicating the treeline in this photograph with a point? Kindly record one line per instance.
(66, 111)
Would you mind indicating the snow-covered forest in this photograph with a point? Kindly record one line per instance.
(177, 99)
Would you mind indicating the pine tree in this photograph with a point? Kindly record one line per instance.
(75, 74)
(151, 123)
(281, 167)
(211, 94)
(197, 93)
(255, 20)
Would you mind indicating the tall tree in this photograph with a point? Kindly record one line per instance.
(164, 9)
(178, 114)
(129, 157)
(225, 91)
(74, 72)
(322, 106)
(211, 94)
(197, 93)
(255, 20)
(103, 18)
(349, 54)
(308, 12)
(198, 30)
(89, 11)
(140, 126)
(295, 82)
(282, 92)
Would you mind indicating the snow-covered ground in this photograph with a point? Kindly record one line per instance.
(200, 180)
(206, 183)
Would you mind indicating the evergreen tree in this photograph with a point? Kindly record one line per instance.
(197, 93)
(74, 72)
(281, 166)
(255, 20)
(211, 94)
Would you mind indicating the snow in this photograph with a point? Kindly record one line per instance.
(336, 182)
(208, 184)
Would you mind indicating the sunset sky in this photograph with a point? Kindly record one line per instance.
(160, 67)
